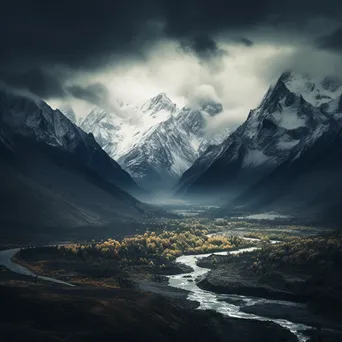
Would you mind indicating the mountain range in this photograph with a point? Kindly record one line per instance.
(160, 144)
(285, 156)
(56, 175)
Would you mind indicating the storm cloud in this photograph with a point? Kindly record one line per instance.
(204, 47)
(332, 41)
(95, 93)
(50, 47)
(36, 80)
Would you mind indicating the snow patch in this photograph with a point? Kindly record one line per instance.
(254, 158)
(289, 119)
(314, 91)
(286, 145)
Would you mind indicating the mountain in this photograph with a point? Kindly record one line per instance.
(54, 174)
(167, 149)
(161, 155)
(309, 181)
(294, 114)
(158, 104)
(108, 130)
(160, 143)
(34, 119)
(117, 135)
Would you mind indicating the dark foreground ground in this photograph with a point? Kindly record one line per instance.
(47, 312)
(135, 303)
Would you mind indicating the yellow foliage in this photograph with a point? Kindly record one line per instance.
(149, 248)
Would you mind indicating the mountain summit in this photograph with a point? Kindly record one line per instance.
(295, 112)
(163, 143)
(158, 103)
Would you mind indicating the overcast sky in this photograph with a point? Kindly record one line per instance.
(99, 52)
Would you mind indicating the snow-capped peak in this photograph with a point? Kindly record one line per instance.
(294, 114)
(33, 118)
(314, 90)
(111, 131)
(161, 144)
(159, 102)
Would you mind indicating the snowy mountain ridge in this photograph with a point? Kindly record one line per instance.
(294, 113)
(161, 143)
(314, 91)
(33, 119)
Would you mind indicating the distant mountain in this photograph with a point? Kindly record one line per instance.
(54, 174)
(117, 135)
(108, 130)
(167, 149)
(160, 156)
(295, 114)
(159, 103)
(160, 144)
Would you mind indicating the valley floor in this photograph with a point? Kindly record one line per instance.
(128, 298)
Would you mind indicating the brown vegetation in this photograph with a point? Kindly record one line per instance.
(315, 254)
(152, 248)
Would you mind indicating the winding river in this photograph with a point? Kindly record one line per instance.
(6, 260)
(207, 299)
(214, 301)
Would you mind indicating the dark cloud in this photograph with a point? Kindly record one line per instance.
(186, 17)
(95, 93)
(203, 47)
(86, 35)
(74, 33)
(245, 41)
(332, 41)
(37, 81)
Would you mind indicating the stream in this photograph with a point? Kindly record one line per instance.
(6, 260)
(207, 299)
(214, 301)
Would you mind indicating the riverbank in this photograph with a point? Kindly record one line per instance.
(219, 303)
(229, 275)
(52, 312)
(280, 284)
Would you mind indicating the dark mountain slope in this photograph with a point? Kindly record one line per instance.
(34, 119)
(294, 114)
(309, 185)
(55, 175)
